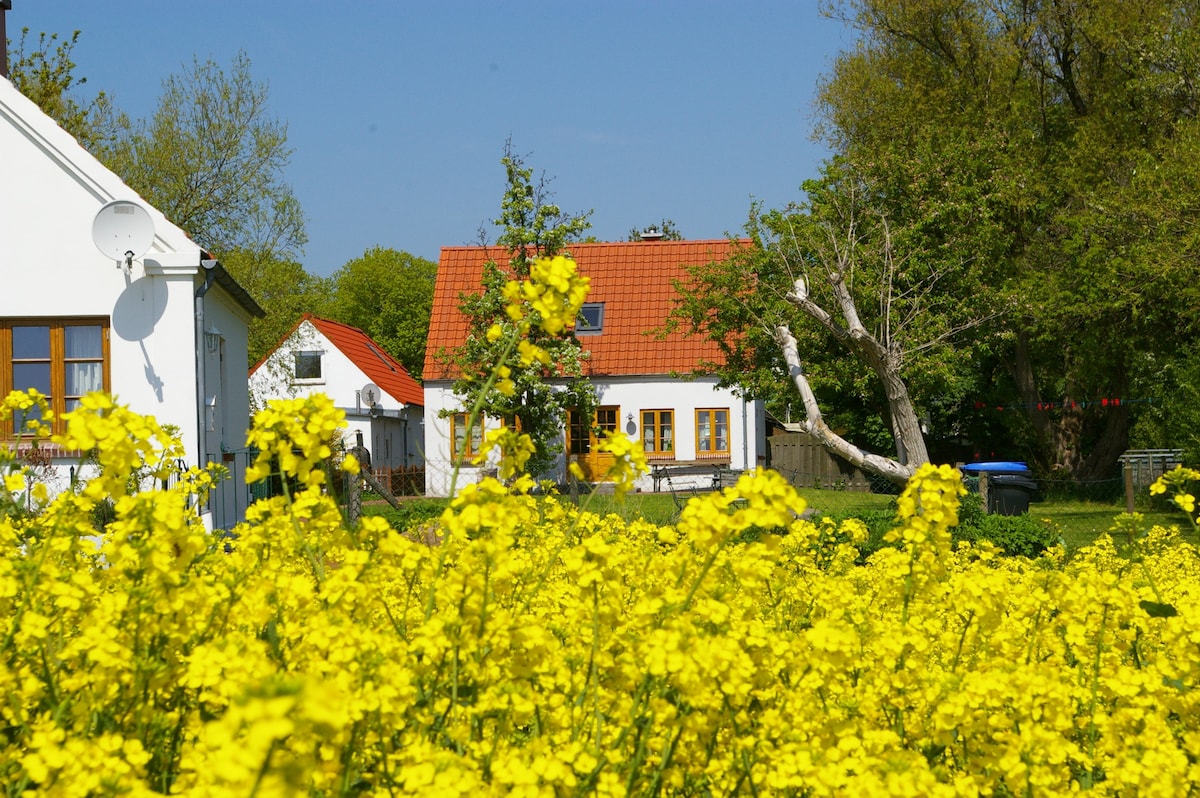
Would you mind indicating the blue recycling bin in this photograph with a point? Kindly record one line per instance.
(1010, 488)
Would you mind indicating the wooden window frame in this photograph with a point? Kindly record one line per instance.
(655, 427)
(58, 362)
(471, 447)
(712, 436)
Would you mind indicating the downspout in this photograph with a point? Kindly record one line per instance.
(745, 439)
(210, 276)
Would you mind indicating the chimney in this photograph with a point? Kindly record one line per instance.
(5, 5)
(652, 234)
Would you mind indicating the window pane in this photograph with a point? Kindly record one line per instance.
(84, 378)
(308, 365)
(83, 342)
(722, 432)
(668, 444)
(31, 343)
(22, 417)
(31, 375)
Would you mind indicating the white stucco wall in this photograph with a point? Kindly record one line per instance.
(393, 436)
(50, 194)
(747, 425)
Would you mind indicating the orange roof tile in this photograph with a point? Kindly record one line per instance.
(383, 369)
(632, 279)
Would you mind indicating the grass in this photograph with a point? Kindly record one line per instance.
(1078, 522)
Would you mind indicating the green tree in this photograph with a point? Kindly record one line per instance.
(45, 73)
(1051, 147)
(532, 227)
(212, 158)
(388, 295)
(284, 290)
(826, 310)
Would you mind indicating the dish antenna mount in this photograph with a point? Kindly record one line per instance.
(123, 230)
(369, 396)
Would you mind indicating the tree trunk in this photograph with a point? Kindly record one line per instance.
(891, 470)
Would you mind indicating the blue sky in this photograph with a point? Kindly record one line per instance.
(398, 111)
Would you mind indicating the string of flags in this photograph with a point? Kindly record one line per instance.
(1072, 404)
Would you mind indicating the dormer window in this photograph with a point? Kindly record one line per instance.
(591, 319)
(308, 365)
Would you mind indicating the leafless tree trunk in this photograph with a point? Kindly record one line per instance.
(892, 470)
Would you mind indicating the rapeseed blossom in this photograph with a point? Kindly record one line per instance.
(523, 646)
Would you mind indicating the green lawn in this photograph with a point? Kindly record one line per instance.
(1078, 522)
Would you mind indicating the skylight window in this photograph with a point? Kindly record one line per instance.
(591, 319)
(379, 355)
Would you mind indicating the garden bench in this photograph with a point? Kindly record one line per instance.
(719, 475)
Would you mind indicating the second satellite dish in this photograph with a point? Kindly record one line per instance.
(370, 394)
(123, 230)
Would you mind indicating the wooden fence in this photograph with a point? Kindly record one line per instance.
(807, 464)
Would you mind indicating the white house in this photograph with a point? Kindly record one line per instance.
(383, 403)
(164, 329)
(687, 424)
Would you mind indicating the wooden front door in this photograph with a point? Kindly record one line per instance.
(583, 439)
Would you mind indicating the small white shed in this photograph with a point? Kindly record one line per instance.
(384, 405)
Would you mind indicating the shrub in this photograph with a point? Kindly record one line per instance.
(1023, 535)
(412, 512)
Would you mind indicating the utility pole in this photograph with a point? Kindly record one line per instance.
(5, 6)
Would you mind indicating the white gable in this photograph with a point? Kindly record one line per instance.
(50, 192)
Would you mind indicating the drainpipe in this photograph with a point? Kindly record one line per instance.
(745, 440)
(210, 276)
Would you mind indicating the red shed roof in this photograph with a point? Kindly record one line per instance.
(634, 281)
(383, 369)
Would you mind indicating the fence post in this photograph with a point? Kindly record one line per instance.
(353, 497)
(983, 490)
(1129, 487)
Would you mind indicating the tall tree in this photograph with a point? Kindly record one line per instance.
(212, 159)
(388, 295)
(535, 396)
(1053, 145)
(45, 73)
(284, 290)
(827, 304)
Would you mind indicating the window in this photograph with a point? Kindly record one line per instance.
(465, 448)
(308, 365)
(658, 433)
(583, 435)
(63, 358)
(591, 319)
(712, 432)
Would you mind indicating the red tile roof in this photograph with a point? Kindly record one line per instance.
(632, 279)
(383, 370)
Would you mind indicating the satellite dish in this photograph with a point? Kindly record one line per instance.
(123, 230)
(370, 394)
